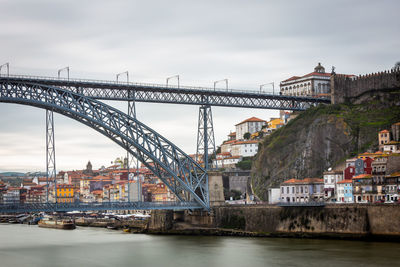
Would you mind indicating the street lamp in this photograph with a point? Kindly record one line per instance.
(224, 80)
(8, 68)
(273, 89)
(127, 76)
(60, 70)
(175, 76)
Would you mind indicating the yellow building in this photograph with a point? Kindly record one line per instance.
(275, 123)
(65, 193)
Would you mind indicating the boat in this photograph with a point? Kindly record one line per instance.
(50, 222)
(126, 230)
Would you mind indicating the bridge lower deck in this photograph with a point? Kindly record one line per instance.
(96, 206)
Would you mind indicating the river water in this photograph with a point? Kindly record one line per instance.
(23, 245)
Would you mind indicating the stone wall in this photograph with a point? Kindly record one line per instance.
(346, 89)
(331, 220)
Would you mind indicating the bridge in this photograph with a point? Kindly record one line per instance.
(79, 99)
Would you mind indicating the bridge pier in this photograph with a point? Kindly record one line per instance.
(50, 153)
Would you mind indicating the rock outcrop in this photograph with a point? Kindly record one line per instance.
(322, 138)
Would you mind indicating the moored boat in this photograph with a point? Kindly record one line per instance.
(50, 222)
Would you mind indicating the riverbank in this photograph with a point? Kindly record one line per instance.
(372, 222)
(376, 222)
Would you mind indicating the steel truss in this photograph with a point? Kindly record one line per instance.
(107, 90)
(94, 206)
(51, 172)
(205, 135)
(181, 174)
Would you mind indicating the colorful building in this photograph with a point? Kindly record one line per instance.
(345, 191)
(65, 193)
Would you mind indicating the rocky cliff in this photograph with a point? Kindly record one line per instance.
(320, 138)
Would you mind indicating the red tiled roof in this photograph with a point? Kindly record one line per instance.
(252, 119)
(384, 131)
(363, 176)
(246, 142)
(346, 181)
(291, 181)
(232, 134)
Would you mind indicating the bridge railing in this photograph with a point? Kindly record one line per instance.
(93, 206)
(136, 84)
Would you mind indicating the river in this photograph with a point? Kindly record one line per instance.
(23, 245)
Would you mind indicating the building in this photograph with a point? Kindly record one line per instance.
(65, 193)
(250, 125)
(383, 138)
(274, 195)
(331, 178)
(245, 148)
(275, 123)
(392, 187)
(316, 83)
(306, 190)
(345, 191)
(362, 188)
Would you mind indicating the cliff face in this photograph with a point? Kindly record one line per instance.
(320, 138)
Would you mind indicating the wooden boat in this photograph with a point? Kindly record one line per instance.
(50, 222)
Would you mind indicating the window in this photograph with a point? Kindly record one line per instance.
(293, 190)
(306, 189)
(301, 189)
(283, 190)
(287, 190)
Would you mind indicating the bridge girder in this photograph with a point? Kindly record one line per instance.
(153, 93)
(181, 174)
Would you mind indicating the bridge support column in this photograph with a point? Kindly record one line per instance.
(205, 135)
(129, 157)
(50, 154)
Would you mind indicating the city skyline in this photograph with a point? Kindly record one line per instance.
(202, 42)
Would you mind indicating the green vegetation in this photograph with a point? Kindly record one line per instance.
(247, 136)
(245, 163)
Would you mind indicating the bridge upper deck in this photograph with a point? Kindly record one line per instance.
(158, 93)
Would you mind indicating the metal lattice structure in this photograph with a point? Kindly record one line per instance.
(156, 93)
(51, 173)
(205, 135)
(181, 174)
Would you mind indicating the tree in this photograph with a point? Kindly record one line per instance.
(397, 66)
(247, 136)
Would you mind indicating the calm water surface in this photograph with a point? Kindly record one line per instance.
(23, 245)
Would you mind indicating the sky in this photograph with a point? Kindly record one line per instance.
(247, 42)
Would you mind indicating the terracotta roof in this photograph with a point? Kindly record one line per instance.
(229, 142)
(252, 119)
(346, 181)
(232, 134)
(392, 143)
(384, 131)
(395, 174)
(291, 181)
(246, 142)
(397, 123)
(363, 176)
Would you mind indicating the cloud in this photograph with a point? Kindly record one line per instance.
(248, 42)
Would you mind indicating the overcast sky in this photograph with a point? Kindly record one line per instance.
(248, 42)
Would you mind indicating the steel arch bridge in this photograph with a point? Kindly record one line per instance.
(181, 174)
(157, 93)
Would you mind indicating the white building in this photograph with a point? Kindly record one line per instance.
(226, 162)
(245, 148)
(251, 125)
(273, 195)
(316, 83)
(331, 178)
